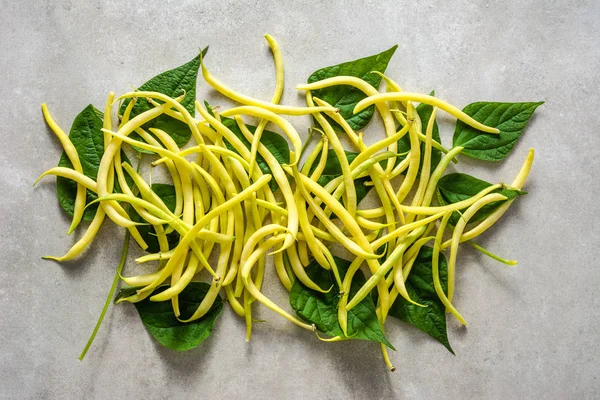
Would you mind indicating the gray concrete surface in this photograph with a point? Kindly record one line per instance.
(533, 330)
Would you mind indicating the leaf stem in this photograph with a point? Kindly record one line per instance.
(111, 294)
(115, 283)
(311, 131)
(488, 253)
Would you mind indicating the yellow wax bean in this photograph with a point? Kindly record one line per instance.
(243, 99)
(281, 179)
(85, 240)
(436, 272)
(338, 149)
(495, 216)
(423, 98)
(376, 172)
(279, 82)
(342, 312)
(378, 277)
(404, 229)
(365, 87)
(109, 153)
(282, 123)
(141, 280)
(426, 168)
(69, 173)
(188, 238)
(154, 257)
(73, 156)
(246, 269)
(459, 229)
(415, 158)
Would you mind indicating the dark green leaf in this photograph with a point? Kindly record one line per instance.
(173, 83)
(419, 285)
(321, 308)
(346, 97)
(274, 142)
(159, 320)
(424, 111)
(456, 187)
(88, 139)
(167, 195)
(314, 307)
(509, 118)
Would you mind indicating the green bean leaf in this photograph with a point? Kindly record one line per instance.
(167, 195)
(161, 323)
(419, 285)
(314, 307)
(424, 111)
(88, 139)
(346, 97)
(321, 308)
(509, 118)
(456, 187)
(173, 83)
(274, 142)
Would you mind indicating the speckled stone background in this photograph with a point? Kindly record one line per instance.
(534, 330)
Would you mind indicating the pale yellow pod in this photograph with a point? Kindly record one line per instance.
(73, 156)
(279, 82)
(436, 272)
(496, 215)
(246, 269)
(243, 99)
(423, 98)
(459, 229)
(366, 88)
(69, 173)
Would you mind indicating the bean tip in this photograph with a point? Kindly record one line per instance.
(38, 179)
